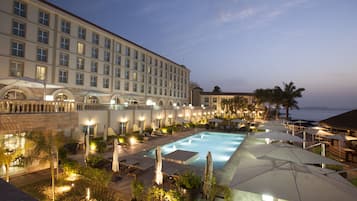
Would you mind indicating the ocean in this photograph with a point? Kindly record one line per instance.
(314, 114)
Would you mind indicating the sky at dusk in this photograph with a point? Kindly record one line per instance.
(242, 45)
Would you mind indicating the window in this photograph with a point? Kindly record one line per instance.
(206, 99)
(135, 76)
(142, 88)
(149, 80)
(143, 57)
(214, 100)
(142, 67)
(135, 87)
(106, 56)
(143, 78)
(95, 52)
(155, 62)
(18, 49)
(42, 36)
(117, 72)
(93, 81)
(41, 54)
(18, 29)
(127, 63)
(106, 69)
(106, 83)
(118, 60)
(81, 33)
(64, 59)
(80, 48)
(117, 84)
(135, 65)
(80, 63)
(149, 89)
(65, 43)
(94, 67)
(20, 8)
(63, 76)
(127, 74)
(136, 54)
(127, 51)
(95, 38)
(16, 69)
(126, 87)
(79, 78)
(41, 72)
(107, 43)
(65, 26)
(44, 18)
(118, 47)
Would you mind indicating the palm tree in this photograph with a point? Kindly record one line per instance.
(264, 96)
(217, 89)
(7, 156)
(46, 149)
(288, 96)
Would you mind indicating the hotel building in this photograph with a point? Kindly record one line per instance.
(48, 52)
(60, 72)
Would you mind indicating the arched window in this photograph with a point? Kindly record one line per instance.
(92, 100)
(61, 97)
(15, 94)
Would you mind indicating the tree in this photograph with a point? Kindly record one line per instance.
(7, 156)
(264, 96)
(288, 96)
(46, 145)
(217, 89)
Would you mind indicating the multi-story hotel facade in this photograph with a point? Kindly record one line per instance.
(49, 53)
(60, 72)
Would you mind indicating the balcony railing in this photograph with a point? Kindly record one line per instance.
(35, 106)
(38, 106)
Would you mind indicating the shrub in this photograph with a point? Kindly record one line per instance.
(100, 145)
(189, 180)
(137, 189)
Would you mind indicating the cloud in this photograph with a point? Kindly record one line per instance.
(229, 16)
(256, 13)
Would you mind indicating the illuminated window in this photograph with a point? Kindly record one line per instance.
(41, 72)
(80, 63)
(80, 48)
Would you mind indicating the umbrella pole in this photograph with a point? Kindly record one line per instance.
(323, 153)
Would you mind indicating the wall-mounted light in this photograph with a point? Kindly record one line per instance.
(123, 120)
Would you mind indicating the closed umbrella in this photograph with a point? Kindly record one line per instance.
(291, 181)
(289, 153)
(115, 163)
(279, 136)
(208, 175)
(86, 146)
(158, 166)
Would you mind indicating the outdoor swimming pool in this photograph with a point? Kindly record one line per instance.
(221, 146)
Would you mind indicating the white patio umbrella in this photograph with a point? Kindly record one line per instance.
(288, 153)
(237, 121)
(291, 181)
(115, 163)
(208, 175)
(279, 136)
(215, 120)
(158, 166)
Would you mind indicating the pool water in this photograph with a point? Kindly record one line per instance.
(221, 146)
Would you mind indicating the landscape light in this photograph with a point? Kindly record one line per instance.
(266, 197)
